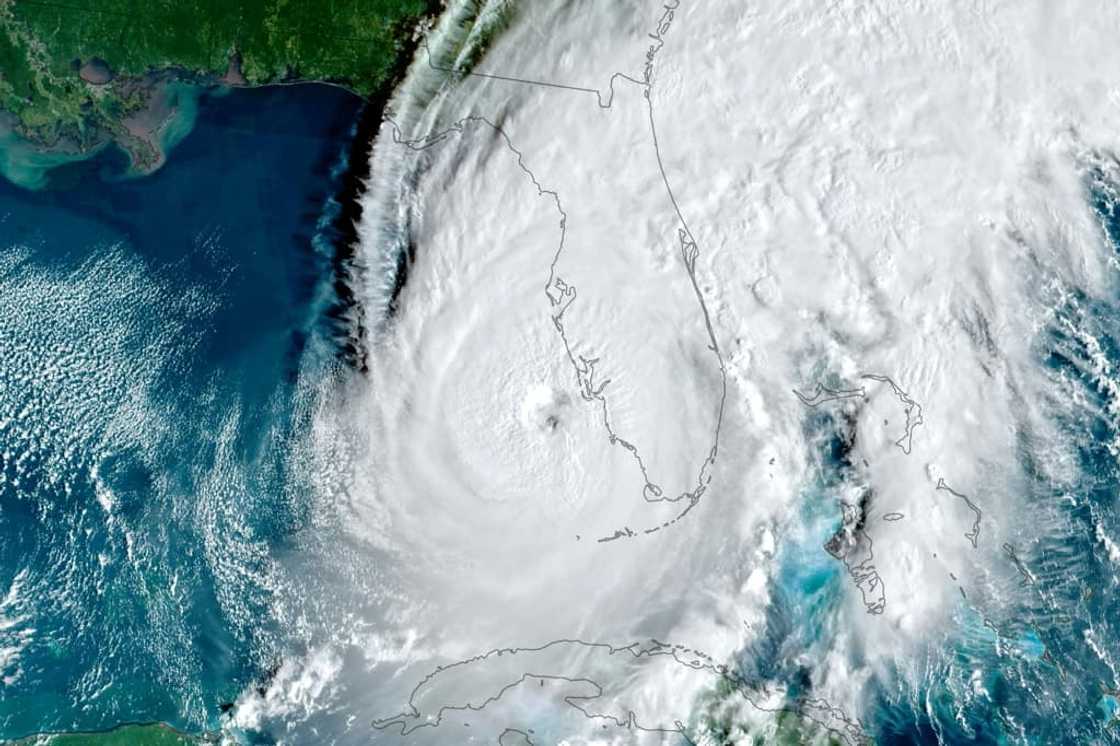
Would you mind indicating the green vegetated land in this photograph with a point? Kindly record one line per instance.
(44, 43)
(127, 735)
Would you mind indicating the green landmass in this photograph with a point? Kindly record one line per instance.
(718, 721)
(126, 735)
(54, 101)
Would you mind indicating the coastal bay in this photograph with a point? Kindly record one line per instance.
(76, 76)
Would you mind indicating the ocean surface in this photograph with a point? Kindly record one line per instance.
(898, 231)
(155, 334)
(861, 196)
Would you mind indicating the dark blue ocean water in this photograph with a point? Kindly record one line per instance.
(1033, 660)
(157, 337)
(1044, 668)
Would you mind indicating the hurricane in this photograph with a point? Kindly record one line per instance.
(740, 372)
(725, 373)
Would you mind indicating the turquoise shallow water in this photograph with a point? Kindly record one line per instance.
(1049, 676)
(23, 164)
(1031, 662)
(161, 341)
(157, 337)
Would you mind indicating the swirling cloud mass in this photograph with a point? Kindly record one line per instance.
(754, 377)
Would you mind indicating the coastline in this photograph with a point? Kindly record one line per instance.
(168, 105)
(126, 734)
(231, 231)
(26, 164)
(146, 138)
(347, 314)
(155, 110)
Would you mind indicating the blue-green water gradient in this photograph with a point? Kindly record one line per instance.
(157, 340)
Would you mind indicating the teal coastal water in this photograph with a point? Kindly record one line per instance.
(26, 165)
(1030, 646)
(810, 582)
(1046, 677)
(161, 341)
(1109, 707)
(31, 167)
(183, 99)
